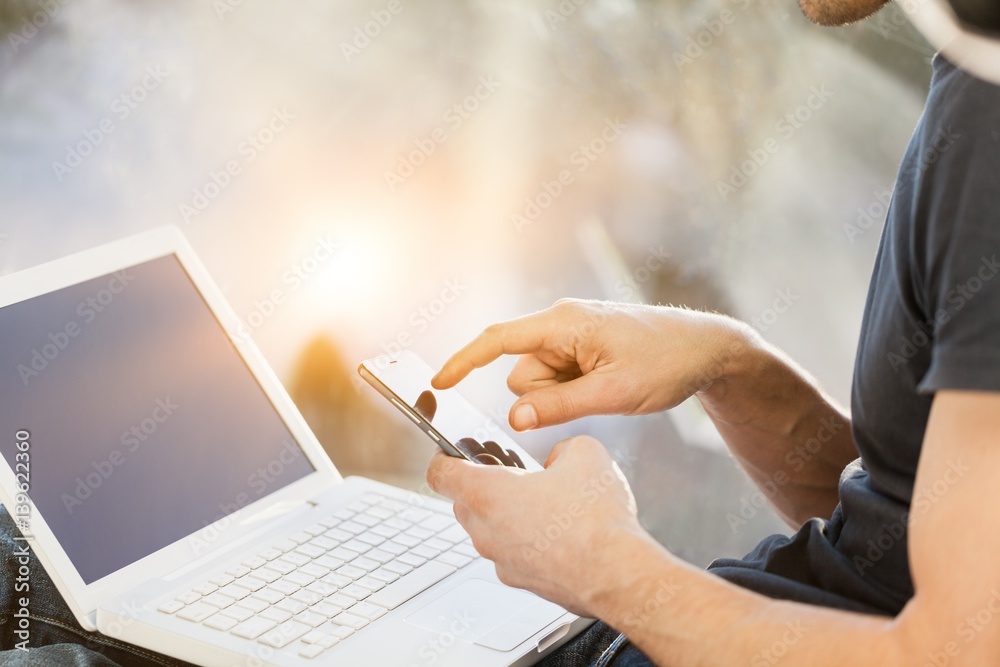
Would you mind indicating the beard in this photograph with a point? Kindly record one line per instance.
(839, 12)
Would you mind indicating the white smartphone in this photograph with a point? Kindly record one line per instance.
(445, 416)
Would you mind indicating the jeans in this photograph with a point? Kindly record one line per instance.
(55, 639)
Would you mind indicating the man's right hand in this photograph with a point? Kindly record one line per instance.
(581, 358)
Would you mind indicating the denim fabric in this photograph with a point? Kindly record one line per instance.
(56, 639)
(599, 646)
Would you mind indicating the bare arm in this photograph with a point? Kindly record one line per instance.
(683, 617)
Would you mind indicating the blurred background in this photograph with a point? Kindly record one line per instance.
(369, 175)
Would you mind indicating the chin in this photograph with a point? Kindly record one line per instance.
(839, 12)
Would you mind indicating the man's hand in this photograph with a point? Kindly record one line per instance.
(549, 532)
(584, 358)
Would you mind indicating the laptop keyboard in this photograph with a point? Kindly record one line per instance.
(315, 588)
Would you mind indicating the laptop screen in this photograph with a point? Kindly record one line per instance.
(145, 423)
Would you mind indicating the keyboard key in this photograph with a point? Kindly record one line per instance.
(368, 611)
(218, 600)
(337, 535)
(237, 612)
(337, 580)
(352, 527)
(325, 543)
(407, 541)
(205, 589)
(383, 531)
(299, 578)
(328, 610)
(437, 522)
(310, 551)
(282, 565)
(419, 533)
(411, 559)
(466, 550)
(253, 628)
(220, 622)
(372, 498)
(385, 575)
(197, 612)
(306, 597)
(268, 595)
(314, 637)
(330, 521)
(380, 513)
(270, 554)
(395, 548)
(438, 544)
(297, 559)
(283, 586)
(300, 537)
(255, 562)
(406, 587)
(371, 583)
(291, 606)
(267, 574)
(313, 570)
(341, 601)
(322, 588)
(189, 597)
(235, 591)
(397, 567)
(315, 529)
(252, 583)
(311, 651)
(222, 579)
(422, 551)
(171, 607)
(340, 631)
(380, 556)
(454, 559)
(414, 514)
(351, 572)
(275, 614)
(284, 634)
(370, 538)
(358, 506)
(366, 564)
(355, 591)
(330, 640)
(350, 620)
(311, 618)
(357, 546)
(238, 571)
(367, 519)
(397, 524)
(254, 604)
(285, 546)
(328, 562)
(343, 514)
(393, 506)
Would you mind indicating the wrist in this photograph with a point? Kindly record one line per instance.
(635, 576)
(733, 353)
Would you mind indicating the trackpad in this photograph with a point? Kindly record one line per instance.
(482, 612)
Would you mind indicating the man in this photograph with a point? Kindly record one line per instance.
(902, 567)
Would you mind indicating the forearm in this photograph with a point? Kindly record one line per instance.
(792, 439)
(680, 616)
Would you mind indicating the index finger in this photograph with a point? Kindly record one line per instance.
(518, 336)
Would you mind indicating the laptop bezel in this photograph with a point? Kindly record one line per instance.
(84, 599)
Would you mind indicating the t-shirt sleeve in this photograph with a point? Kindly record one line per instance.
(961, 276)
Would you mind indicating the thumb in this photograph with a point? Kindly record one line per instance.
(559, 403)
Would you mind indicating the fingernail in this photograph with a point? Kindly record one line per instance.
(525, 417)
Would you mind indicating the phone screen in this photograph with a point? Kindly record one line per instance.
(446, 416)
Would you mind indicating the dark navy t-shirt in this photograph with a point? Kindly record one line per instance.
(932, 322)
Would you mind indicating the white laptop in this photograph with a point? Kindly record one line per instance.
(180, 503)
